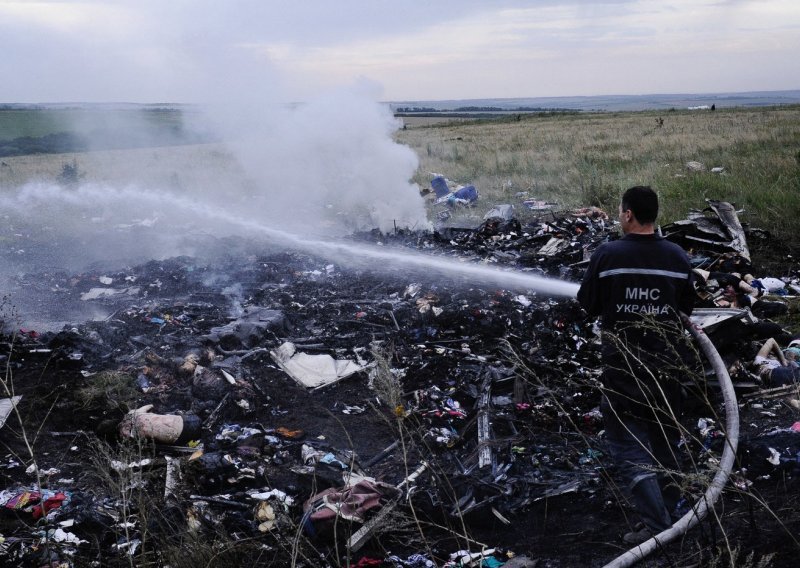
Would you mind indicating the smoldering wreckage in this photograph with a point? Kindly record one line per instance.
(283, 410)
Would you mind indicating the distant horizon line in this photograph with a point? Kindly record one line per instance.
(664, 94)
(796, 92)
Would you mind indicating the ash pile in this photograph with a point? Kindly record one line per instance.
(283, 409)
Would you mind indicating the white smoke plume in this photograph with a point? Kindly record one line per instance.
(326, 166)
(318, 169)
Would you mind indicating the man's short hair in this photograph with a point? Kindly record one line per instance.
(642, 202)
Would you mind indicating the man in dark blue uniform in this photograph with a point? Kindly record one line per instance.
(639, 286)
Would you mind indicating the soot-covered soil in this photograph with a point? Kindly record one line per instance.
(489, 394)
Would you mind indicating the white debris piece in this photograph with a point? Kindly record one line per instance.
(312, 371)
(228, 377)
(97, 293)
(60, 535)
(774, 457)
(6, 406)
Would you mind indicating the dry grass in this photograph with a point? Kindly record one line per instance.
(170, 167)
(587, 159)
(570, 159)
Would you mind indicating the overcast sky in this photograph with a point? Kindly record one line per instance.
(196, 51)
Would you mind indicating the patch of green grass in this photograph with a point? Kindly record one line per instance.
(36, 131)
(17, 123)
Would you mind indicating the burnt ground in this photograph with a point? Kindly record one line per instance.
(460, 356)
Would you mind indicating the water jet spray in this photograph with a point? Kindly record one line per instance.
(171, 235)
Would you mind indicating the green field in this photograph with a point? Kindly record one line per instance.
(18, 123)
(25, 131)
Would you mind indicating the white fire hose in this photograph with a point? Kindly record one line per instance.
(706, 502)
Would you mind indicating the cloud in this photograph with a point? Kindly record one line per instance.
(557, 38)
(148, 50)
(80, 20)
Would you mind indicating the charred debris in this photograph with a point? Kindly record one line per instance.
(283, 409)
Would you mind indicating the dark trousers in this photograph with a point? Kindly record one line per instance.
(644, 446)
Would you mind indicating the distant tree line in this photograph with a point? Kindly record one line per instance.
(416, 109)
(510, 109)
(483, 109)
(15, 106)
(56, 143)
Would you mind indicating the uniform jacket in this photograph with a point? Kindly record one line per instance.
(638, 285)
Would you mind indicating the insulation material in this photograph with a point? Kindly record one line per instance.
(312, 371)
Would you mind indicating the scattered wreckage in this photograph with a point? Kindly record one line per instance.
(280, 409)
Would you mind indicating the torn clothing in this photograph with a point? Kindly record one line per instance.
(779, 375)
(350, 502)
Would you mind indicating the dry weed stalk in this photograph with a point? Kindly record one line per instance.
(9, 315)
(694, 479)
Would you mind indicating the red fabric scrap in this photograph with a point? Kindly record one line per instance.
(53, 502)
